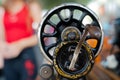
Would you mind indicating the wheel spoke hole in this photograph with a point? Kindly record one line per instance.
(77, 14)
(92, 42)
(50, 40)
(51, 51)
(87, 20)
(65, 14)
(49, 29)
(55, 19)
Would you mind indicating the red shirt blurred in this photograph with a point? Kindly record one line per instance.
(18, 26)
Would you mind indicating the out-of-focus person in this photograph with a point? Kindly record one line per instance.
(19, 39)
(1, 47)
(107, 10)
(1, 39)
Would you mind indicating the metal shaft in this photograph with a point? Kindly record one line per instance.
(77, 50)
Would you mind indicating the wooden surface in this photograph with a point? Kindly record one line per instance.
(100, 73)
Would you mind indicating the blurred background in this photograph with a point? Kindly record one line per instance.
(107, 65)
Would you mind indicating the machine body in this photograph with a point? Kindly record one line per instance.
(70, 37)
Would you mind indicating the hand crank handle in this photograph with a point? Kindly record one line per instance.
(77, 50)
(94, 31)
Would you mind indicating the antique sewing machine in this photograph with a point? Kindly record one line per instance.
(70, 37)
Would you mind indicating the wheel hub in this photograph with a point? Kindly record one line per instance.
(70, 33)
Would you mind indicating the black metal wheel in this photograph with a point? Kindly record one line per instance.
(63, 56)
(66, 23)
